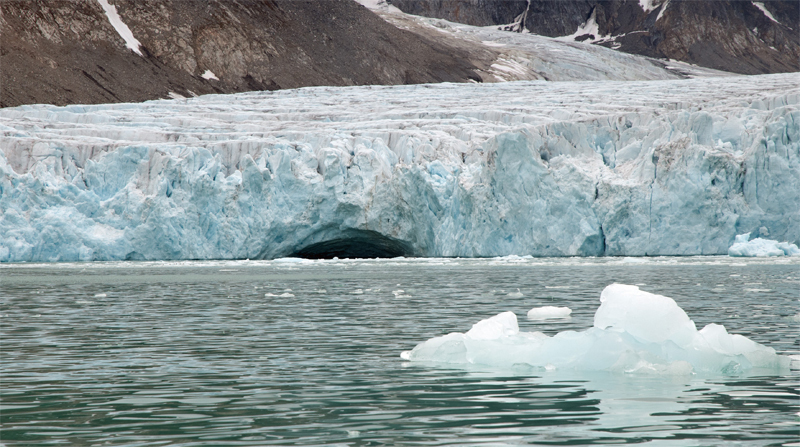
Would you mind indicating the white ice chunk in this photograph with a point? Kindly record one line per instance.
(758, 247)
(634, 332)
(648, 317)
(548, 312)
(499, 326)
(122, 29)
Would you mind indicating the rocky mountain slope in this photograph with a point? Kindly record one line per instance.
(68, 51)
(739, 36)
(98, 51)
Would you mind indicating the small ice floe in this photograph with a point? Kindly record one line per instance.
(282, 295)
(758, 247)
(516, 294)
(292, 261)
(357, 292)
(100, 295)
(634, 332)
(549, 312)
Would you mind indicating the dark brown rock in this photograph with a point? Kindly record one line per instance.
(66, 51)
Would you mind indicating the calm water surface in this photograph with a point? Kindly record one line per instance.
(307, 353)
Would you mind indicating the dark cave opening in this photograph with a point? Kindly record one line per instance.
(355, 244)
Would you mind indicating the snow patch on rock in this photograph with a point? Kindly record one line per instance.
(209, 75)
(122, 29)
(760, 5)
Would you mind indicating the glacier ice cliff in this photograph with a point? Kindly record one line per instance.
(675, 167)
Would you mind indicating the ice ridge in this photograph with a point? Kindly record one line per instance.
(521, 168)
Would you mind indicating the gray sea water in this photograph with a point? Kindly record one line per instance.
(290, 352)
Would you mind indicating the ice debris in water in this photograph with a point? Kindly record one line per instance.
(548, 312)
(758, 247)
(634, 332)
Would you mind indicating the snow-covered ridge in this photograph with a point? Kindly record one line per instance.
(523, 168)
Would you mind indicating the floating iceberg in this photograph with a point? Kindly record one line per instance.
(634, 332)
(548, 312)
(758, 247)
(519, 168)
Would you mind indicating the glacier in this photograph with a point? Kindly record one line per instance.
(634, 332)
(664, 167)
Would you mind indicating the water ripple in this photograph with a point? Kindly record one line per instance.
(195, 354)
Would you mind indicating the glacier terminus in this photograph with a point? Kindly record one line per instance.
(636, 168)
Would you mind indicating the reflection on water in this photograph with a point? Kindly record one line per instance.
(261, 353)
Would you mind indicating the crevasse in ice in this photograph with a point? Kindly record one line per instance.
(521, 168)
(634, 332)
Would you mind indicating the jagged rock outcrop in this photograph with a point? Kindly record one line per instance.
(737, 36)
(67, 51)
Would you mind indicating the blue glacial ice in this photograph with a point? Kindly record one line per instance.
(634, 332)
(670, 167)
(745, 247)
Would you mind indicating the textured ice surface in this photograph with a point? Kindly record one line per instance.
(548, 312)
(743, 246)
(634, 332)
(523, 168)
